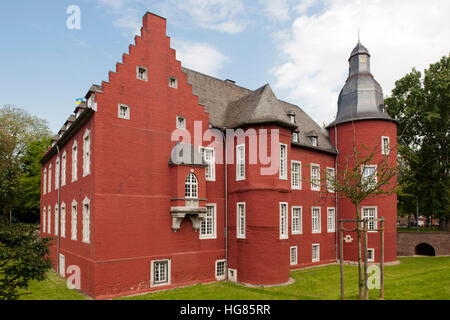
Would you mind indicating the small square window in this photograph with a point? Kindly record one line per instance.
(315, 252)
(173, 83)
(220, 269)
(293, 256)
(160, 273)
(181, 122)
(142, 73)
(371, 255)
(124, 112)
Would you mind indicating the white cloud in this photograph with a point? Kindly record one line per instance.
(399, 34)
(221, 15)
(276, 9)
(199, 56)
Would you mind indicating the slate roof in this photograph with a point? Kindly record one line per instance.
(232, 106)
(361, 98)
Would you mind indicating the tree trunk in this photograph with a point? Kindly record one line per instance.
(444, 224)
(360, 277)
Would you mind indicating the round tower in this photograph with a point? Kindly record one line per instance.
(362, 123)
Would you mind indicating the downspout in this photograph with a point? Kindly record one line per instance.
(226, 200)
(59, 213)
(335, 192)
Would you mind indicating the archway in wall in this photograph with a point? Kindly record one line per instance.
(424, 249)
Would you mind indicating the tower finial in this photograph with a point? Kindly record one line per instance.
(358, 35)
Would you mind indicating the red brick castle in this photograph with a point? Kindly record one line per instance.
(137, 210)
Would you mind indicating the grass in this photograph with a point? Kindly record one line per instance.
(53, 288)
(415, 278)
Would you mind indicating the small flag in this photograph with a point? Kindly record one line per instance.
(79, 100)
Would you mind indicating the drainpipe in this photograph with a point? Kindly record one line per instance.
(226, 200)
(59, 213)
(335, 191)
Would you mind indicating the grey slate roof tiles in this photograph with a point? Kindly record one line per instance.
(232, 106)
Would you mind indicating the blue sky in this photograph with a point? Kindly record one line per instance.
(300, 47)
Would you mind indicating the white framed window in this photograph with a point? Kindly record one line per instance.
(208, 225)
(75, 161)
(283, 162)
(315, 252)
(73, 222)
(293, 255)
(221, 269)
(330, 179)
(160, 272)
(315, 177)
(371, 255)
(44, 220)
(314, 141)
(57, 173)
(86, 221)
(173, 82)
(385, 145)
(142, 73)
(62, 265)
(49, 178)
(56, 220)
(296, 175)
(49, 220)
(369, 175)
(331, 219)
(292, 118)
(181, 122)
(315, 220)
(283, 220)
(123, 112)
(240, 162)
(63, 168)
(63, 220)
(232, 275)
(191, 186)
(87, 153)
(208, 157)
(295, 137)
(297, 227)
(240, 220)
(369, 213)
(45, 181)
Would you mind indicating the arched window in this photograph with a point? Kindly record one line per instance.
(191, 186)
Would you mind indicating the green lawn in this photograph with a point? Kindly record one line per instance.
(421, 278)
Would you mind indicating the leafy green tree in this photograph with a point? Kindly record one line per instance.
(17, 130)
(421, 105)
(28, 208)
(24, 256)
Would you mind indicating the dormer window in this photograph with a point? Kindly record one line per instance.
(295, 137)
(142, 73)
(173, 83)
(291, 116)
(91, 102)
(314, 141)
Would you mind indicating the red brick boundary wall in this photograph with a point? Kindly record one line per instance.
(408, 242)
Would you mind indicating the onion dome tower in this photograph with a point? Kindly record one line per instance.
(361, 120)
